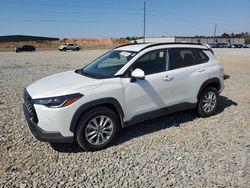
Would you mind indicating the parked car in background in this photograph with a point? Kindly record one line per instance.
(28, 48)
(241, 46)
(69, 46)
(228, 45)
(238, 45)
(245, 46)
(222, 45)
(219, 45)
(214, 45)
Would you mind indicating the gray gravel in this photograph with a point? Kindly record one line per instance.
(179, 150)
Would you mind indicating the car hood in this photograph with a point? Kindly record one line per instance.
(62, 84)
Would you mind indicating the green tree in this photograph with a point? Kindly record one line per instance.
(128, 38)
(247, 40)
(225, 35)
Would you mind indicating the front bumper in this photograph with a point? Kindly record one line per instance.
(36, 131)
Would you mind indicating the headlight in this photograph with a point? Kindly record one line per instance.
(58, 102)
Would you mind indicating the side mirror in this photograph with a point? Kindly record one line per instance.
(137, 74)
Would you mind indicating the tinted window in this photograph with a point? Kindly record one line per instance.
(153, 62)
(184, 57)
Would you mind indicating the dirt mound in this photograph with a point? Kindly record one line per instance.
(95, 42)
(85, 43)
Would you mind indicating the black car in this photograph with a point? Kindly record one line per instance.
(29, 48)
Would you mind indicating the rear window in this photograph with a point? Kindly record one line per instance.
(185, 57)
(182, 57)
(202, 56)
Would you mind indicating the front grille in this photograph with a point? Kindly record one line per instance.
(29, 107)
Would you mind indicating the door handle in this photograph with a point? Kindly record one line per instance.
(201, 70)
(168, 78)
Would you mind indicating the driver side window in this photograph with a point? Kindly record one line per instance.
(153, 62)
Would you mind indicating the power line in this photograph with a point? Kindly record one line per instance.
(57, 5)
(70, 12)
(177, 16)
(200, 17)
(70, 21)
(177, 25)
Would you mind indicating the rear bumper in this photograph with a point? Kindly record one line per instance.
(44, 136)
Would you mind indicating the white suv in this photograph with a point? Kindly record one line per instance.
(69, 46)
(127, 85)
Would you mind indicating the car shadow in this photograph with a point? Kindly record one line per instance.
(150, 126)
(223, 103)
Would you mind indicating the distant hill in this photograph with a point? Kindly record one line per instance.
(23, 38)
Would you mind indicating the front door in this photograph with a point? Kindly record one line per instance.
(152, 93)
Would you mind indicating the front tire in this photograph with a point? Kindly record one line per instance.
(97, 129)
(208, 102)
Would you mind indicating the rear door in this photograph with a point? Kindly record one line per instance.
(189, 68)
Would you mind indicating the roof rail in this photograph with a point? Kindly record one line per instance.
(168, 43)
(128, 44)
(158, 44)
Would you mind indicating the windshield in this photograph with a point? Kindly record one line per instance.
(108, 64)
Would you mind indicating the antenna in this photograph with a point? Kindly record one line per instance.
(144, 25)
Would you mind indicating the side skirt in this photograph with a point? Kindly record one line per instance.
(159, 113)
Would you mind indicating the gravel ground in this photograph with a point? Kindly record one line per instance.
(179, 150)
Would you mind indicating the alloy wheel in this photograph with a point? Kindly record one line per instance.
(209, 102)
(99, 130)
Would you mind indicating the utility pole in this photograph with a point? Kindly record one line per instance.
(144, 25)
(215, 28)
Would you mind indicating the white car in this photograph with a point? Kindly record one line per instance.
(69, 46)
(127, 85)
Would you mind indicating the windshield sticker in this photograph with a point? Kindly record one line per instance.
(161, 54)
(126, 54)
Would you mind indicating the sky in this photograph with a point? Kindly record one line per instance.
(121, 18)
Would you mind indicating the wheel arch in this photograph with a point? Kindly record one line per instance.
(212, 82)
(111, 103)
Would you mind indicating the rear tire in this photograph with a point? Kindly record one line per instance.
(97, 129)
(208, 102)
